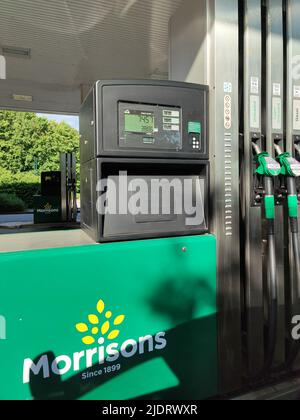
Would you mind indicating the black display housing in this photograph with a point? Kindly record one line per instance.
(129, 227)
(166, 137)
(101, 125)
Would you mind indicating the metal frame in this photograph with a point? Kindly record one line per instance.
(292, 100)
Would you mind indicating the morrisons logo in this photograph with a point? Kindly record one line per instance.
(48, 209)
(98, 333)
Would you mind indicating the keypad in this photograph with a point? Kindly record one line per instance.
(196, 143)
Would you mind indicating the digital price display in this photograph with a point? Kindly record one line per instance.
(139, 122)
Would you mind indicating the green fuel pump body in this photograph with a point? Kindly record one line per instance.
(129, 318)
(148, 306)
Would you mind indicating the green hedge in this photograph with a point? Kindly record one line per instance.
(10, 203)
(23, 185)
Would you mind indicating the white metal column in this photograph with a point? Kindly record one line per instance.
(204, 49)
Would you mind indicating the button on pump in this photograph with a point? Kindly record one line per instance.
(195, 141)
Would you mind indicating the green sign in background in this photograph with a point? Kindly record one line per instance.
(160, 285)
(47, 209)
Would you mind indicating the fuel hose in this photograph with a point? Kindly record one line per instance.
(272, 283)
(291, 170)
(268, 168)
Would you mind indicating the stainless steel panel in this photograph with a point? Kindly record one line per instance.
(223, 56)
(253, 235)
(274, 70)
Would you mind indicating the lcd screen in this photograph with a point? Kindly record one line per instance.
(139, 122)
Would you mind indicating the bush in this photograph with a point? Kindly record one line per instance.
(10, 203)
(23, 185)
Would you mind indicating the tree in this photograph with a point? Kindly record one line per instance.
(30, 144)
(27, 140)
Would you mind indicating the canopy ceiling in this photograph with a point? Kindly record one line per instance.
(72, 43)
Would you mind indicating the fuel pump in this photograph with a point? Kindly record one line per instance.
(268, 169)
(290, 170)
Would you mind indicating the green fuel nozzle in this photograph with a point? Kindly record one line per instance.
(268, 168)
(290, 168)
(289, 165)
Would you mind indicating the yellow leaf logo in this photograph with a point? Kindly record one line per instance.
(95, 325)
(114, 334)
(82, 327)
(105, 327)
(100, 306)
(93, 319)
(119, 320)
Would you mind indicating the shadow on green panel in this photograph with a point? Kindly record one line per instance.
(185, 369)
(180, 304)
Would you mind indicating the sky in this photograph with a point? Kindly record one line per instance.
(73, 121)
